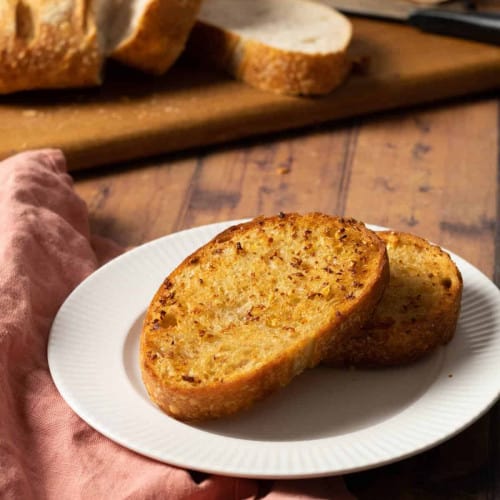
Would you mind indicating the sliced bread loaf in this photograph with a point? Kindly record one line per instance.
(418, 312)
(49, 44)
(254, 307)
(293, 47)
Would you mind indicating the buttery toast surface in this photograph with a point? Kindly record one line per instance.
(254, 307)
(418, 311)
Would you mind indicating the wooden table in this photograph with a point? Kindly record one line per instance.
(431, 170)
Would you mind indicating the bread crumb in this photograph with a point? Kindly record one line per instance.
(283, 170)
(30, 113)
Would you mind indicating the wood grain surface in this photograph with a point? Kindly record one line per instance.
(430, 170)
(134, 116)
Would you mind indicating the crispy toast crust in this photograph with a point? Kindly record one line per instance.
(418, 312)
(254, 307)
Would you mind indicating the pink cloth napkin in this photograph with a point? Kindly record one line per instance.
(46, 450)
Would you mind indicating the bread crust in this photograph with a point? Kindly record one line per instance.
(418, 312)
(266, 67)
(160, 36)
(43, 46)
(171, 371)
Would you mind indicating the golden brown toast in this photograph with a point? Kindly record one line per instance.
(418, 311)
(254, 307)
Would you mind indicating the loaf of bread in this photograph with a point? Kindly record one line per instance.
(64, 44)
(295, 47)
(418, 311)
(49, 44)
(291, 47)
(254, 307)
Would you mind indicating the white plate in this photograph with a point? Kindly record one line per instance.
(326, 422)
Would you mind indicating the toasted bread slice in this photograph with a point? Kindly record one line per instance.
(418, 312)
(295, 47)
(254, 307)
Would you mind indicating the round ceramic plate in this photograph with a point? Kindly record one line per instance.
(325, 422)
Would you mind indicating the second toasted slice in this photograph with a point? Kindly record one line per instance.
(254, 307)
(418, 312)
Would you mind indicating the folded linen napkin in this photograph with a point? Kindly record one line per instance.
(46, 450)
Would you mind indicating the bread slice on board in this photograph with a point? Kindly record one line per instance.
(49, 44)
(418, 312)
(295, 47)
(250, 310)
(150, 34)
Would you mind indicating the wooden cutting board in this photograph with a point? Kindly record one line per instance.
(134, 115)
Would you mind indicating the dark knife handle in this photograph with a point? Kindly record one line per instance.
(479, 26)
